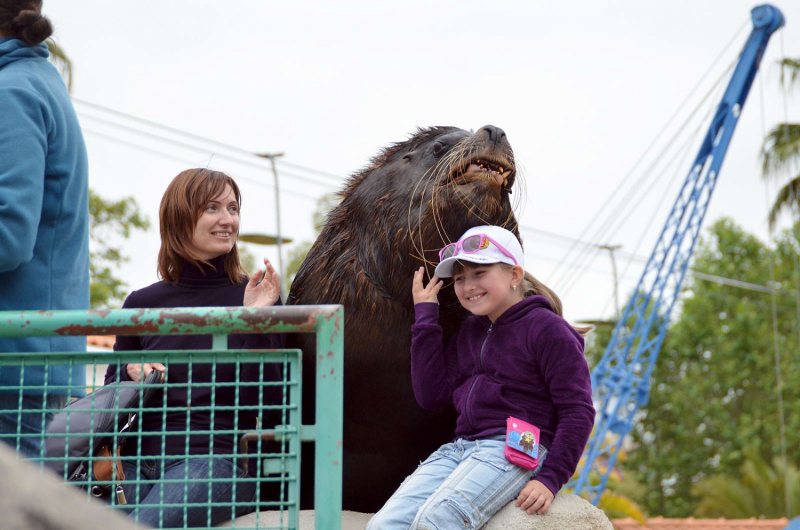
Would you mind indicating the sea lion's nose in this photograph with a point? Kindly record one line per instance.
(495, 134)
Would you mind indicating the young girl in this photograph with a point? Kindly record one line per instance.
(515, 357)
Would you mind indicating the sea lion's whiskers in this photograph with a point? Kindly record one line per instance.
(450, 162)
(410, 205)
(471, 207)
(432, 176)
(426, 177)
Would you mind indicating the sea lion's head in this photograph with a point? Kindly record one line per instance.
(414, 198)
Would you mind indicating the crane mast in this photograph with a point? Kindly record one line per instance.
(621, 379)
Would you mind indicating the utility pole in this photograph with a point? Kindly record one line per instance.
(278, 235)
(611, 249)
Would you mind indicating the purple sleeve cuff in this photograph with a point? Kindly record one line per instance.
(426, 312)
(548, 481)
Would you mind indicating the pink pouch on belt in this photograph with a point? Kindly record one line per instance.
(522, 443)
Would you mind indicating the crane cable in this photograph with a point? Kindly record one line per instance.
(774, 304)
(677, 174)
(627, 202)
(647, 150)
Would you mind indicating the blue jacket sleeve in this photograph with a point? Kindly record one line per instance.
(432, 369)
(24, 125)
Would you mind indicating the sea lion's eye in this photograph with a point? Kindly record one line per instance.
(437, 148)
(407, 157)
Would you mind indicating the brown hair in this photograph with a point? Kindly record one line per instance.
(23, 20)
(530, 287)
(181, 206)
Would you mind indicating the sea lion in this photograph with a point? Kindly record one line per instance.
(394, 216)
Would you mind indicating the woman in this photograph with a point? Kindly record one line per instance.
(44, 219)
(199, 266)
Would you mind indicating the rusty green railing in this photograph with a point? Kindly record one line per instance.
(283, 466)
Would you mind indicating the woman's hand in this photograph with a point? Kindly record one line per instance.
(535, 497)
(135, 370)
(425, 294)
(265, 293)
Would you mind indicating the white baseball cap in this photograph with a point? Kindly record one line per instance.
(502, 246)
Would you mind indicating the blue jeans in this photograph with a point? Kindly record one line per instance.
(150, 493)
(461, 485)
(32, 419)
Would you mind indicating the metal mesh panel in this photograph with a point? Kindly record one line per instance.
(248, 461)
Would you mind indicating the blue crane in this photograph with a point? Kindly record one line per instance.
(621, 380)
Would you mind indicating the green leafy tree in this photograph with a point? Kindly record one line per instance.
(713, 393)
(758, 490)
(781, 153)
(108, 222)
(60, 59)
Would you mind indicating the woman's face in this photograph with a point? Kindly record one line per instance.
(218, 226)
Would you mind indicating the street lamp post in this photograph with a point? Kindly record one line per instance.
(611, 249)
(278, 238)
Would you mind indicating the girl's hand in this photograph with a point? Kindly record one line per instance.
(425, 294)
(535, 497)
(265, 293)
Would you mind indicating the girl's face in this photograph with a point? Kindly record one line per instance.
(487, 290)
(218, 226)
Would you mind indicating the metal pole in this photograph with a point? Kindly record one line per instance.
(611, 250)
(278, 235)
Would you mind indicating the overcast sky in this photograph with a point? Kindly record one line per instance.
(581, 89)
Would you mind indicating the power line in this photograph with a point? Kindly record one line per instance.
(236, 149)
(187, 161)
(634, 257)
(658, 136)
(186, 145)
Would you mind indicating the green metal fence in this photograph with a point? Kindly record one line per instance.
(259, 449)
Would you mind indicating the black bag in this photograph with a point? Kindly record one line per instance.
(86, 426)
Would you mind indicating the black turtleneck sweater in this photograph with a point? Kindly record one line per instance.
(211, 287)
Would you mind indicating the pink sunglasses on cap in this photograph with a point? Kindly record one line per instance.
(471, 245)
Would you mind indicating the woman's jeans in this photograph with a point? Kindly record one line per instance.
(459, 486)
(194, 492)
(29, 423)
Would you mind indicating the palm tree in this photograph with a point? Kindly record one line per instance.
(782, 149)
(758, 491)
(62, 62)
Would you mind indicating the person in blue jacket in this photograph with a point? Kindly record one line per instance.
(44, 220)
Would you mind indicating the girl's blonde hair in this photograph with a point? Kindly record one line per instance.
(530, 287)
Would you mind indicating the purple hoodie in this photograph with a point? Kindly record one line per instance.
(528, 364)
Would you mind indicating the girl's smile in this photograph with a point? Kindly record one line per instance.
(487, 289)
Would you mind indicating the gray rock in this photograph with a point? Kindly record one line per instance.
(33, 499)
(568, 512)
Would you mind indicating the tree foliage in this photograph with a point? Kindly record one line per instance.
(781, 152)
(298, 254)
(713, 395)
(108, 222)
(757, 490)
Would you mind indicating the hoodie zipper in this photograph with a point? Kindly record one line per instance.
(480, 358)
(483, 346)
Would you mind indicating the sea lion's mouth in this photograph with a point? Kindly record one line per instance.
(493, 169)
